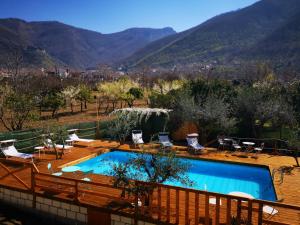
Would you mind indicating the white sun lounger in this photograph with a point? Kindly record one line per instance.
(137, 137)
(75, 138)
(192, 140)
(9, 150)
(164, 140)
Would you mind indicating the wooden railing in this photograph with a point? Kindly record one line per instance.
(168, 204)
(12, 175)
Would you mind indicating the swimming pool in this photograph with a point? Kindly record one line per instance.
(207, 175)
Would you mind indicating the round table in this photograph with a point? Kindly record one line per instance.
(248, 143)
(249, 147)
(39, 149)
(241, 194)
(70, 169)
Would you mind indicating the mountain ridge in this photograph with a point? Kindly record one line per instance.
(76, 47)
(221, 38)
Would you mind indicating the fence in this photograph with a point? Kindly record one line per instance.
(173, 205)
(166, 205)
(28, 139)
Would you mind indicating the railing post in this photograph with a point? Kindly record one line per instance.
(33, 187)
(76, 191)
(136, 204)
(187, 199)
(177, 206)
(260, 213)
(228, 211)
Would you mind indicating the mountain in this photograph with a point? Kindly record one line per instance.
(252, 33)
(79, 48)
(282, 47)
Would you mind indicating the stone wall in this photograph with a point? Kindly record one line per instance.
(59, 210)
(67, 212)
(122, 220)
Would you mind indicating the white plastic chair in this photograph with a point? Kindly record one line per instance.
(192, 140)
(164, 140)
(9, 150)
(137, 137)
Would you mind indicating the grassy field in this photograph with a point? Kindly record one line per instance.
(64, 116)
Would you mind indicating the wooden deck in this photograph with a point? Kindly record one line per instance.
(170, 204)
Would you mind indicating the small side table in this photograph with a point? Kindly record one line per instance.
(40, 148)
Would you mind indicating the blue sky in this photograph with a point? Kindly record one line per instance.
(108, 16)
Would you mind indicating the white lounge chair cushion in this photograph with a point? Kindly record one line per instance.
(64, 146)
(49, 144)
(193, 142)
(165, 141)
(137, 138)
(74, 137)
(13, 152)
(270, 210)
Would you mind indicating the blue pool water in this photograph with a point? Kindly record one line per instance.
(207, 175)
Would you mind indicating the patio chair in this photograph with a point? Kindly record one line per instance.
(236, 146)
(49, 144)
(163, 138)
(73, 137)
(221, 144)
(259, 149)
(193, 144)
(9, 150)
(137, 137)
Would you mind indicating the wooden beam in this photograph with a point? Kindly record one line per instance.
(207, 217)
(196, 208)
(15, 176)
(177, 206)
(186, 207)
(228, 211)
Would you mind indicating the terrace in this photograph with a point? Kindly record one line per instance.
(169, 205)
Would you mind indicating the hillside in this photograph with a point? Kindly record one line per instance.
(73, 46)
(227, 39)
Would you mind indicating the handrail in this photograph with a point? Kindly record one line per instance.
(289, 206)
(171, 202)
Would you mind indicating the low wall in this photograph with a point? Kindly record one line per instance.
(121, 220)
(62, 211)
(57, 210)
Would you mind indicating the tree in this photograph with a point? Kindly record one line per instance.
(57, 134)
(53, 101)
(263, 102)
(16, 108)
(210, 114)
(70, 93)
(294, 141)
(133, 94)
(84, 95)
(115, 91)
(152, 168)
(122, 125)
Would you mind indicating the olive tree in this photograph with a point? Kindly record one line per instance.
(69, 94)
(84, 95)
(210, 114)
(57, 135)
(133, 94)
(16, 108)
(121, 126)
(152, 169)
